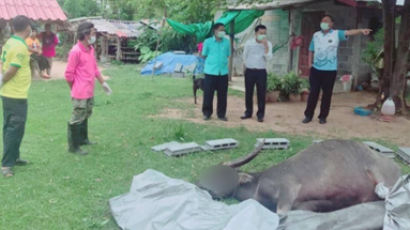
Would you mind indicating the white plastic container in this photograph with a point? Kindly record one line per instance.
(389, 108)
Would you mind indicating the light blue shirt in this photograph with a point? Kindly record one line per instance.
(216, 54)
(325, 46)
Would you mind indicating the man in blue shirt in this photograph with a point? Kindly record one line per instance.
(216, 52)
(323, 51)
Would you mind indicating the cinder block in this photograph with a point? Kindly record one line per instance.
(164, 146)
(380, 148)
(227, 143)
(182, 149)
(273, 143)
(404, 153)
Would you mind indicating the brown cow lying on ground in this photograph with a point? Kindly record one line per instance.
(325, 177)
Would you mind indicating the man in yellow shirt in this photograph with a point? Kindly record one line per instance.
(15, 80)
(34, 46)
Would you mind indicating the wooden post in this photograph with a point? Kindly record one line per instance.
(232, 37)
(119, 53)
(291, 34)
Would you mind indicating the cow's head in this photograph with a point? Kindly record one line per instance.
(221, 181)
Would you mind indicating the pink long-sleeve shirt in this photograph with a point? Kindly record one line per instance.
(82, 70)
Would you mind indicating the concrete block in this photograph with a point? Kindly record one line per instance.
(162, 147)
(227, 143)
(404, 153)
(182, 149)
(380, 148)
(273, 143)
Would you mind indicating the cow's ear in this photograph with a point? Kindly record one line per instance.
(245, 178)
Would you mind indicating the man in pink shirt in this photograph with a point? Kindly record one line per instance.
(80, 74)
(49, 41)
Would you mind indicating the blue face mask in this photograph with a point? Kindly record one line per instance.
(324, 26)
(221, 34)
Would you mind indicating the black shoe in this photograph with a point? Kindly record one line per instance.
(207, 118)
(322, 121)
(21, 162)
(223, 118)
(245, 117)
(260, 119)
(306, 120)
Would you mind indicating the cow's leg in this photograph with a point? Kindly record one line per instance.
(287, 196)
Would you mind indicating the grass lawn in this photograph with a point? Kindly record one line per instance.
(59, 190)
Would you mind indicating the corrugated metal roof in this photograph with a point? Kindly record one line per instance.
(127, 29)
(268, 5)
(275, 4)
(42, 10)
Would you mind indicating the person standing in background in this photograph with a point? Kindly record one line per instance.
(256, 53)
(80, 75)
(323, 55)
(15, 81)
(49, 41)
(216, 51)
(34, 46)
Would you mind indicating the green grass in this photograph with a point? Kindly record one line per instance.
(65, 191)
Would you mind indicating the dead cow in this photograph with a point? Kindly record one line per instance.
(325, 177)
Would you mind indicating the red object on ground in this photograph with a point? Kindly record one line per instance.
(42, 10)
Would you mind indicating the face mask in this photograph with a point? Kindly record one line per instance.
(221, 34)
(91, 40)
(324, 26)
(261, 37)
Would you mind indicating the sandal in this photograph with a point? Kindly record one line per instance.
(7, 172)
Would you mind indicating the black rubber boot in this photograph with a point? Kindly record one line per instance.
(74, 139)
(84, 134)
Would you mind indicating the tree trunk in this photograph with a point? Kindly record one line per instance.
(398, 80)
(389, 45)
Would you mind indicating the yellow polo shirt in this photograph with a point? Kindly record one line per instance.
(15, 53)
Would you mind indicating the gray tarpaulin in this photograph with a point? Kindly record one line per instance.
(157, 202)
(397, 214)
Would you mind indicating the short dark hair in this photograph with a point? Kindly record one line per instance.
(84, 29)
(217, 25)
(329, 16)
(20, 23)
(260, 27)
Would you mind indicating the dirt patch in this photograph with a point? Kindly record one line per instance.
(287, 117)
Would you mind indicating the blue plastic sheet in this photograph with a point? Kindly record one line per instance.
(169, 61)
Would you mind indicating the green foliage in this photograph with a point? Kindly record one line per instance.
(372, 54)
(292, 84)
(274, 82)
(146, 54)
(80, 8)
(171, 40)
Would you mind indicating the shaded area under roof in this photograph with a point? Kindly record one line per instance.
(123, 29)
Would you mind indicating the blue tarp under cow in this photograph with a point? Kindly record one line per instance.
(169, 61)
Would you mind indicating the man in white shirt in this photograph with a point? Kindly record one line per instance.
(257, 52)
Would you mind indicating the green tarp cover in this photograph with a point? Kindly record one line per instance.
(242, 20)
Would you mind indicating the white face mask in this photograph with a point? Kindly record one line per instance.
(92, 40)
(221, 34)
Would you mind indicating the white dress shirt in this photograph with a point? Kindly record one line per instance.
(254, 56)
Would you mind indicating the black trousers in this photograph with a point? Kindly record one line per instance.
(41, 60)
(255, 77)
(219, 84)
(320, 80)
(14, 121)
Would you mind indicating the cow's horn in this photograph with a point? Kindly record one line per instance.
(243, 160)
